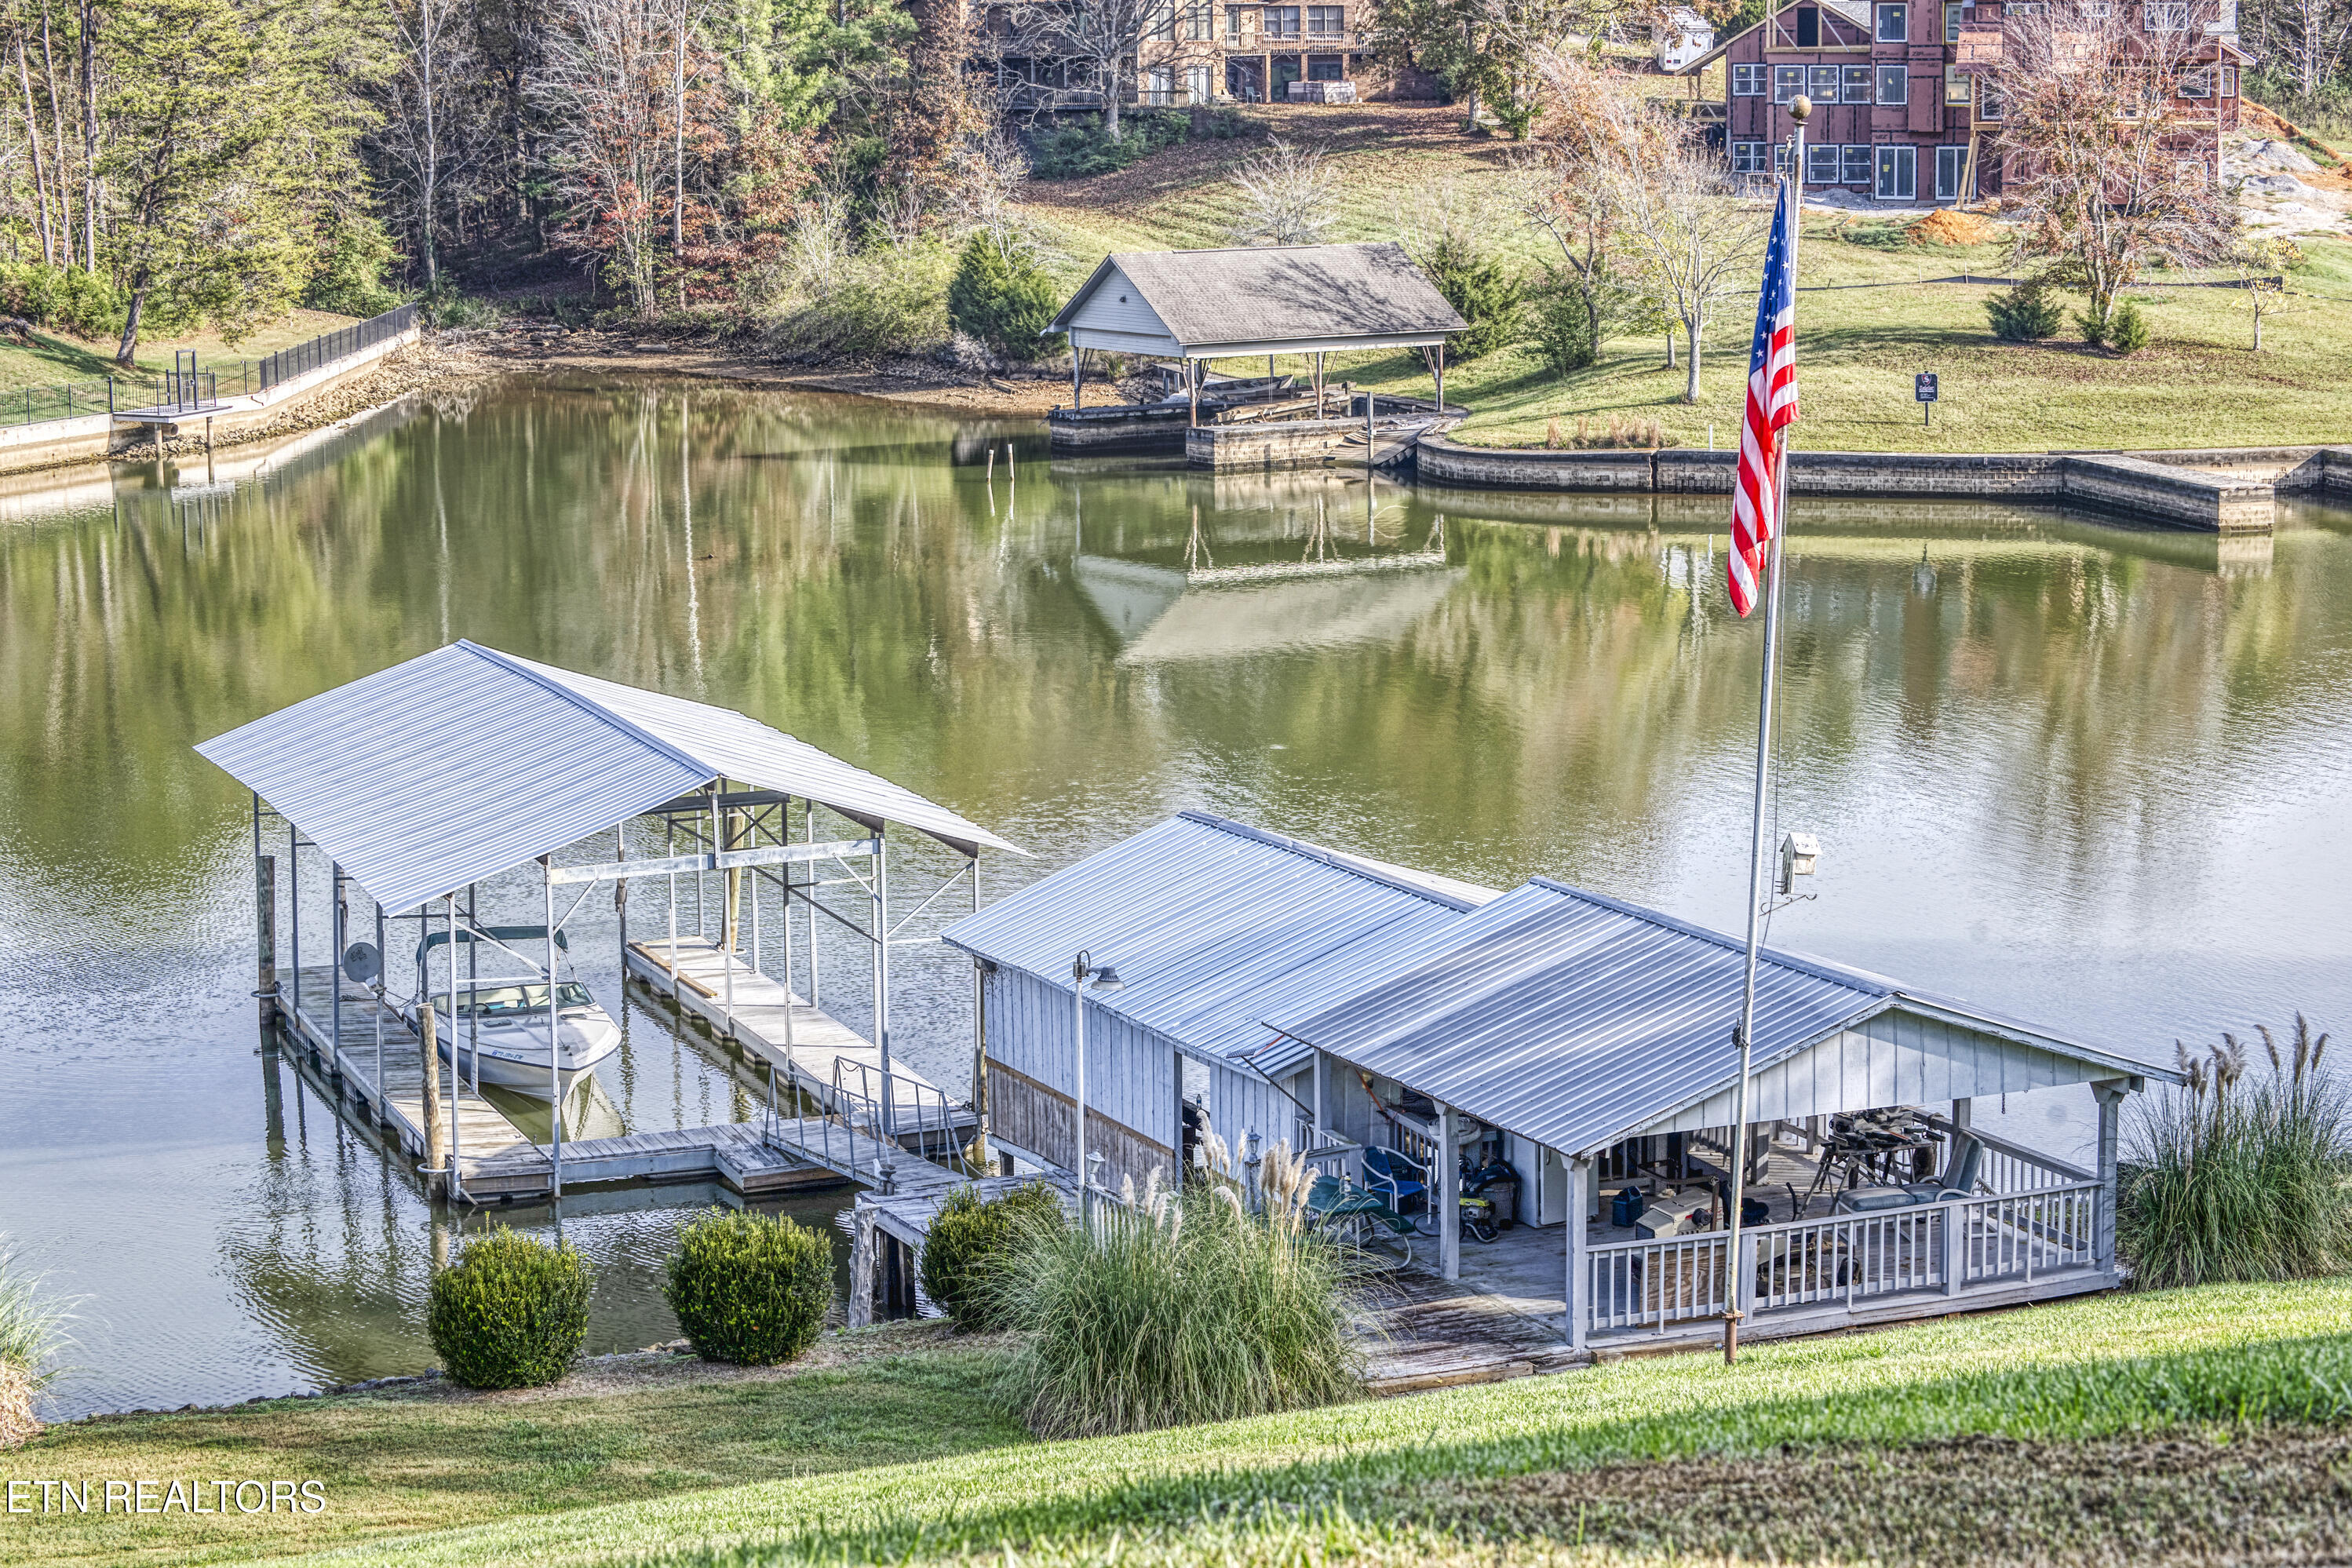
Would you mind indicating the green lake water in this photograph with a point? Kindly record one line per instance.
(2094, 776)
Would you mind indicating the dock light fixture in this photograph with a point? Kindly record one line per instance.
(1798, 851)
(1083, 971)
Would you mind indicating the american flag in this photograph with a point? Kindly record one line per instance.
(1772, 404)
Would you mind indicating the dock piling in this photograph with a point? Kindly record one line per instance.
(265, 906)
(429, 1060)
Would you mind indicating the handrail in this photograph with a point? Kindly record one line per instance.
(2016, 1152)
(328, 347)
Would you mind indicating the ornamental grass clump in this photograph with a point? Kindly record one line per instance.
(969, 1245)
(1179, 1307)
(2239, 1177)
(750, 1289)
(32, 1331)
(511, 1313)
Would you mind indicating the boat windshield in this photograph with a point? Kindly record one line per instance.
(509, 1000)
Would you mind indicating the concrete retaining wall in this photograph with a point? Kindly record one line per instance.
(1132, 427)
(1281, 443)
(2226, 490)
(84, 437)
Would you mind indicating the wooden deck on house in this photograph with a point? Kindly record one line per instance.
(1422, 1332)
(496, 1160)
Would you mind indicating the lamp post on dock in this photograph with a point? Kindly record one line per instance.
(1082, 970)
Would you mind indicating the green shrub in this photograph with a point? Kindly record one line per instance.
(348, 277)
(1075, 150)
(970, 1244)
(1558, 326)
(1476, 284)
(63, 299)
(2127, 329)
(750, 1289)
(2239, 1178)
(511, 1313)
(888, 300)
(1001, 296)
(1182, 1308)
(2026, 313)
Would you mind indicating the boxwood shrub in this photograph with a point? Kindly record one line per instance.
(511, 1313)
(750, 1289)
(969, 1239)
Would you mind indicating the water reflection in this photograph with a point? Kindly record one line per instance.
(2092, 775)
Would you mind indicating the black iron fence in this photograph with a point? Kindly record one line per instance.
(328, 347)
(58, 400)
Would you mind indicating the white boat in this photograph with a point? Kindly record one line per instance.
(500, 1034)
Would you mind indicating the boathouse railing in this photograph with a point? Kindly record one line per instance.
(1948, 1248)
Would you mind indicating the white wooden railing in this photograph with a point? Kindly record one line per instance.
(1944, 1249)
(2011, 1167)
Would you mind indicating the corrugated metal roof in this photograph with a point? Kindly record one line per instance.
(1279, 293)
(1205, 920)
(1570, 1018)
(461, 763)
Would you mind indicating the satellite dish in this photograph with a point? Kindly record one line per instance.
(361, 962)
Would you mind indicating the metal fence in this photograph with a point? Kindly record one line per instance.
(328, 347)
(58, 400)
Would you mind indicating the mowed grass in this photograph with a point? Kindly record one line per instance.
(1869, 323)
(2151, 1412)
(53, 357)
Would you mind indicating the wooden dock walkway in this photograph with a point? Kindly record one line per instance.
(496, 1160)
(811, 1049)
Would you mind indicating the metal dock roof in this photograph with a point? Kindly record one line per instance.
(462, 763)
(1206, 919)
(1573, 1019)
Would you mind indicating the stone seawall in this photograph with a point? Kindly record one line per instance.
(1278, 444)
(2225, 491)
(1129, 428)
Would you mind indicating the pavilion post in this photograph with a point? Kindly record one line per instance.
(1438, 366)
(265, 909)
(294, 916)
(457, 1074)
(808, 826)
(1580, 1286)
(882, 977)
(2110, 1096)
(722, 833)
(554, 1059)
(428, 1053)
(1318, 384)
(621, 893)
(669, 850)
(1077, 379)
(335, 918)
(1193, 390)
(473, 980)
(979, 1042)
(1445, 1195)
(379, 1118)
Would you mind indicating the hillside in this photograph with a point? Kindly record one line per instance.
(2152, 1428)
(1867, 323)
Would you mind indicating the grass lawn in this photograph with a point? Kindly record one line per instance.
(2198, 385)
(54, 358)
(2162, 1427)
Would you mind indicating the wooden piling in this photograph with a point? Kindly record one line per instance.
(429, 1060)
(265, 906)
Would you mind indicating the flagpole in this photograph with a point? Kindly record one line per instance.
(1736, 1278)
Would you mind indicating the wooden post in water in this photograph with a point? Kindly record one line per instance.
(429, 1054)
(265, 909)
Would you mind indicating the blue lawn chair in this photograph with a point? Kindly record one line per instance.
(1396, 1177)
(1354, 1217)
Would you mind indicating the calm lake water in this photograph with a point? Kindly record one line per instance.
(2097, 778)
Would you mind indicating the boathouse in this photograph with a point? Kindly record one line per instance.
(468, 776)
(1190, 306)
(1400, 1028)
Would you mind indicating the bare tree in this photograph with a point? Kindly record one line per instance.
(605, 87)
(1690, 239)
(1563, 196)
(424, 140)
(1288, 196)
(2110, 141)
(2310, 38)
(1102, 38)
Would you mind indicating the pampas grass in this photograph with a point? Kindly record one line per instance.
(32, 1332)
(2240, 1175)
(1177, 1306)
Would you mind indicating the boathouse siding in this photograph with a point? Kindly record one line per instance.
(1133, 1083)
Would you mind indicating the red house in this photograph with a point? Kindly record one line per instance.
(1901, 113)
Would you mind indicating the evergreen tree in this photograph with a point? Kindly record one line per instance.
(1476, 284)
(1001, 296)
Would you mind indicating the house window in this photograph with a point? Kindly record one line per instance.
(1959, 86)
(1748, 81)
(1821, 83)
(1234, 23)
(1809, 28)
(2196, 83)
(2229, 82)
(1951, 167)
(2165, 17)
(1894, 24)
(1988, 106)
(1200, 22)
(1899, 173)
(1853, 84)
(1780, 157)
(1788, 81)
(1854, 166)
(1196, 84)
(1952, 24)
(1325, 22)
(1163, 24)
(1822, 165)
(1748, 157)
(1158, 87)
(1894, 86)
(1281, 22)
(1325, 67)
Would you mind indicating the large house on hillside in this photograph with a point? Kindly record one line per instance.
(1200, 52)
(1903, 112)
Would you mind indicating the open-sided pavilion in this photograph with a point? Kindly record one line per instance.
(422, 780)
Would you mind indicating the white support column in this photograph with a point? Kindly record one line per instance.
(1445, 1196)
(2110, 1096)
(1964, 1114)
(1580, 1308)
(1315, 1074)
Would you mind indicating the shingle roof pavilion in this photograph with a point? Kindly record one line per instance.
(1287, 298)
